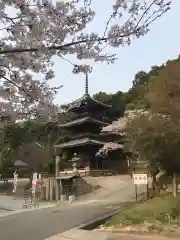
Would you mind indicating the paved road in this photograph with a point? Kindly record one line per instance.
(43, 223)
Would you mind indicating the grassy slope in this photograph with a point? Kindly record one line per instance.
(156, 209)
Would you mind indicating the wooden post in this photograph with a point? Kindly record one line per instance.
(147, 186)
(47, 189)
(174, 185)
(57, 170)
(136, 194)
(51, 188)
(43, 189)
(147, 189)
(135, 185)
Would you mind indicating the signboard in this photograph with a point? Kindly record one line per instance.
(140, 179)
(34, 181)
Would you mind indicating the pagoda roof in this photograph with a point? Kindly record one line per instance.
(84, 102)
(79, 142)
(81, 121)
(66, 176)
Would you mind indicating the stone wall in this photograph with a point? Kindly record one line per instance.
(47, 189)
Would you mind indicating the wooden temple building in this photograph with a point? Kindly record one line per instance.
(85, 129)
(84, 142)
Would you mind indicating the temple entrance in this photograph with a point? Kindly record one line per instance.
(99, 164)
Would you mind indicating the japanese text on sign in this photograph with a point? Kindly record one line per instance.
(140, 179)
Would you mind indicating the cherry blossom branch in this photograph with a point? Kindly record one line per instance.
(53, 47)
(28, 111)
(62, 47)
(22, 89)
(100, 39)
(16, 85)
(145, 12)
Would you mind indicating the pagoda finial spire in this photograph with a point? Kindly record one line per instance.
(87, 85)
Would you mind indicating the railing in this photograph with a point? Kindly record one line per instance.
(92, 173)
(3, 178)
(82, 172)
(77, 190)
(101, 173)
(31, 199)
(95, 136)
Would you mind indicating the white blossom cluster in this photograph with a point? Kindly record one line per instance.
(110, 146)
(33, 31)
(121, 125)
(123, 122)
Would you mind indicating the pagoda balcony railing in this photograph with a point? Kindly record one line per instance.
(76, 116)
(115, 138)
(87, 135)
(86, 114)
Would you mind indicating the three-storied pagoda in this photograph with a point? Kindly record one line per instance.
(85, 129)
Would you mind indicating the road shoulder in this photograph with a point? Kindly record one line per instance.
(78, 234)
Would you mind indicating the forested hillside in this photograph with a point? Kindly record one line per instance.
(135, 97)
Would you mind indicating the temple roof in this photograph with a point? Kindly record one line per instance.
(81, 121)
(85, 102)
(67, 176)
(19, 163)
(79, 142)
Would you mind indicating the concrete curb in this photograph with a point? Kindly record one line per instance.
(6, 208)
(100, 220)
(12, 212)
(96, 222)
(83, 234)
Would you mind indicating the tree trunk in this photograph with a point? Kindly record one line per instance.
(174, 185)
(133, 158)
(154, 183)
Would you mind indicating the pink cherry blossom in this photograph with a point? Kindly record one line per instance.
(33, 31)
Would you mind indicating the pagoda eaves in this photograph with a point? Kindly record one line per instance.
(86, 103)
(79, 142)
(82, 121)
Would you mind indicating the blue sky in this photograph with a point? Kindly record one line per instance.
(159, 45)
